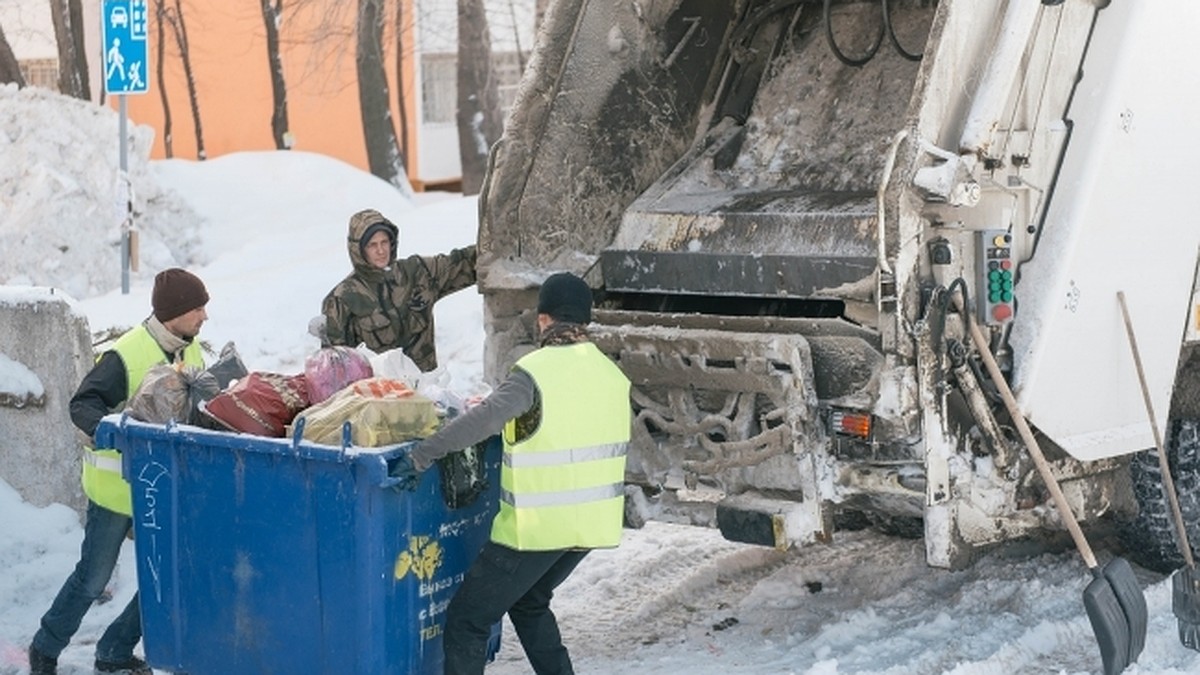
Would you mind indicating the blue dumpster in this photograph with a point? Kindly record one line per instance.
(280, 556)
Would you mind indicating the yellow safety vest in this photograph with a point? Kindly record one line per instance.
(102, 479)
(563, 486)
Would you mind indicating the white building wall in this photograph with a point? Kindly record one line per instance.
(510, 24)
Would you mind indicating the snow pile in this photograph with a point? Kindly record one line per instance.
(17, 382)
(62, 197)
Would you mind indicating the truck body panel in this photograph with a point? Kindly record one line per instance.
(780, 206)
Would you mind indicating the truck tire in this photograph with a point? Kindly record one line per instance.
(1149, 538)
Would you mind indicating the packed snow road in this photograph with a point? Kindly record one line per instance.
(676, 599)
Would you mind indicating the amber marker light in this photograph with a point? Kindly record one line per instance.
(851, 424)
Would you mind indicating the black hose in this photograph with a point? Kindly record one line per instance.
(856, 63)
(887, 21)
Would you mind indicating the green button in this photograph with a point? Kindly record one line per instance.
(995, 286)
(1006, 296)
(1006, 274)
(1007, 284)
(993, 275)
(994, 296)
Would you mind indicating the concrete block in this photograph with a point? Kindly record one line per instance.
(43, 331)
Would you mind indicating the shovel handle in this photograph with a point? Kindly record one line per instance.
(1035, 451)
(1184, 547)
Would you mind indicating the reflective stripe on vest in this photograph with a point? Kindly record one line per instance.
(563, 486)
(102, 479)
(103, 462)
(551, 458)
(565, 498)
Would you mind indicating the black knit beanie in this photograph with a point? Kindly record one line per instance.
(566, 297)
(176, 292)
(370, 232)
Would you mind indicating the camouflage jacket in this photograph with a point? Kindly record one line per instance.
(393, 306)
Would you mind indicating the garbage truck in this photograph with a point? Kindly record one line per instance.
(791, 213)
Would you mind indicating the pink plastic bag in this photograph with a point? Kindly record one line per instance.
(331, 369)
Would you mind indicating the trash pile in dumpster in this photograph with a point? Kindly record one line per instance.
(385, 397)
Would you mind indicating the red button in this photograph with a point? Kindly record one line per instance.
(1005, 264)
(1002, 312)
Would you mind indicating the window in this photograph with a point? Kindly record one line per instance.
(439, 88)
(40, 73)
(439, 84)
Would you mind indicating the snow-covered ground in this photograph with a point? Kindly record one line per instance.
(266, 232)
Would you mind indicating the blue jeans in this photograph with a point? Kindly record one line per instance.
(103, 534)
(521, 584)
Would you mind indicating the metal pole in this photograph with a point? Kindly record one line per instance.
(123, 186)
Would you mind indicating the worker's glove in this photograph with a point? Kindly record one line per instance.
(405, 473)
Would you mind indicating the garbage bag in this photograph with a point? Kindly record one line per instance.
(330, 369)
(380, 411)
(463, 476)
(228, 366)
(172, 392)
(262, 404)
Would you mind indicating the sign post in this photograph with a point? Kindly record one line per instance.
(125, 40)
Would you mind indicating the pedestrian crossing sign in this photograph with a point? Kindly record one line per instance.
(126, 46)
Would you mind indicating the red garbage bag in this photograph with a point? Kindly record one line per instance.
(328, 371)
(260, 403)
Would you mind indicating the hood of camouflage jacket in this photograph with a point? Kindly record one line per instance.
(359, 223)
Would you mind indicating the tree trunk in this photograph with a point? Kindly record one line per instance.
(383, 154)
(271, 12)
(181, 39)
(540, 8)
(516, 29)
(400, 91)
(479, 123)
(10, 70)
(160, 16)
(67, 16)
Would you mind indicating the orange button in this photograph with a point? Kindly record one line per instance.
(1002, 312)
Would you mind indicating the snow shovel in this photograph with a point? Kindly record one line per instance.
(1114, 601)
(1185, 583)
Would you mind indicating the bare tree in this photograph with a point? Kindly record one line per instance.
(67, 16)
(516, 30)
(383, 153)
(174, 17)
(401, 92)
(160, 44)
(479, 123)
(10, 70)
(271, 13)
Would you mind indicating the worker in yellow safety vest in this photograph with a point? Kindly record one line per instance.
(564, 411)
(167, 336)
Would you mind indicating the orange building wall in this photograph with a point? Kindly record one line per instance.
(229, 60)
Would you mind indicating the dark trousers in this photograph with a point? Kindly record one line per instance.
(103, 534)
(520, 583)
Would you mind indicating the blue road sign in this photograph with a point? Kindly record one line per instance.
(126, 46)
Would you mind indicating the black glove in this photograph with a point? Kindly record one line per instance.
(405, 473)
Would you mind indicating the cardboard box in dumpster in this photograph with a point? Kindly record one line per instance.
(262, 555)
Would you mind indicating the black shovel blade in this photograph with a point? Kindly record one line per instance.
(1117, 609)
(1185, 600)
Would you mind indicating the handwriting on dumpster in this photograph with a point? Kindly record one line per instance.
(424, 558)
(148, 484)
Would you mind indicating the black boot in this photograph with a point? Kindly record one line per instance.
(40, 664)
(131, 666)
